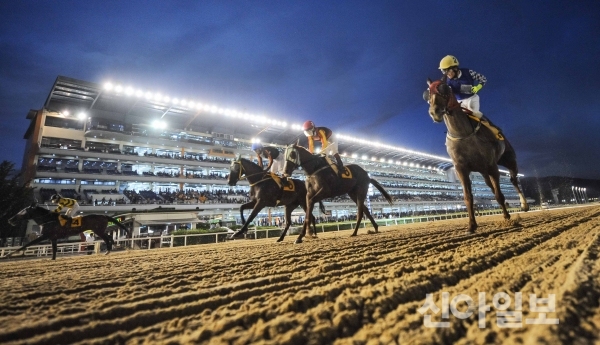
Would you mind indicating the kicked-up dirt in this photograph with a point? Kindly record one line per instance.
(535, 279)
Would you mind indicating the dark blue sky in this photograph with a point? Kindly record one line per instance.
(358, 67)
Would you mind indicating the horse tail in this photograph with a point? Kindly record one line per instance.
(383, 191)
(114, 220)
(322, 207)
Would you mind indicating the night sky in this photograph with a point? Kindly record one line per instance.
(358, 67)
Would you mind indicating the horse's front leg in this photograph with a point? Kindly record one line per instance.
(259, 205)
(246, 206)
(310, 205)
(463, 175)
(36, 241)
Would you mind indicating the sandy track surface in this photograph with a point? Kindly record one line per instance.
(336, 289)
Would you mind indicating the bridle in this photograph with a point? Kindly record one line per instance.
(243, 175)
(300, 163)
(450, 104)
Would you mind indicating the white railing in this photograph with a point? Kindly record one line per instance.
(170, 241)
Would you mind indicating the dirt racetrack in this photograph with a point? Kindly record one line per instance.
(333, 290)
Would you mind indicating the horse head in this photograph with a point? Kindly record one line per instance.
(440, 98)
(25, 214)
(292, 159)
(235, 171)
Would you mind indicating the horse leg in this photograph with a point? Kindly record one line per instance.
(246, 206)
(307, 219)
(257, 207)
(107, 240)
(288, 220)
(368, 214)
(36, 241)
(494, 180)
(54, 249)
(359, 211)
(463, 175)
(509, 160)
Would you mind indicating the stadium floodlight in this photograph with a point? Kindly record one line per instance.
(166, 99)
(175, 101)
(108, 86)
(159, 124)
(82, 116)
(191, 104)
(64, 112)
(139, 93)
(354, 155)
(284, 124)
(148, 95)
(183, 102)
(382, 160)
(118, 88)
(214, 109)
(365, 157)
(129, 91)
(157, 96)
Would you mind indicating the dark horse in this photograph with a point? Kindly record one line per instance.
(322, 182)
(52, 229)
(264, 192)
(473, 148)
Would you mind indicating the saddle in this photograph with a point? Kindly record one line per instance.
(486, 123)
(75, 221)
(288, 187)
(333, 164)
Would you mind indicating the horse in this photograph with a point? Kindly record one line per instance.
(323, 182)
(264, 192)
(52, 229)
(473, 148)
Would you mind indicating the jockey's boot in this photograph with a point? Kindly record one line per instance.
(282, 182)
(340, 164)
(69, 221)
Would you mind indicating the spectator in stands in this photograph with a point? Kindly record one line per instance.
(322, 134)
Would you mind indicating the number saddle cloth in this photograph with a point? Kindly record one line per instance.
(74, 224)
(333, 164)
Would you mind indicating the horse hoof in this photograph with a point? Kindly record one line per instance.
(298, 241)
(280, 239)
(107, 252)
(371, 232)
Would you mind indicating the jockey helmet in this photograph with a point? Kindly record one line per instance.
(55, 197)
(448, 61)
(308, 125)
(256, 146)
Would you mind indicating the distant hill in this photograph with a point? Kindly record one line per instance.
(558, 187)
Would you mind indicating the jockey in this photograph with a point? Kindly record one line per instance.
(322, 134)
(272, 154)
(465, 83)
(71, 205)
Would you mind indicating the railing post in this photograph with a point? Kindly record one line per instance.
(172, 240)
(185, 240)
(97, 247)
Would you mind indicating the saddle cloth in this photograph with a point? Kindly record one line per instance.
(288, 187)
(75, 224)
(497, 132)
(333, 164)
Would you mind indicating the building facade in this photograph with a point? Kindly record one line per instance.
(162, 162)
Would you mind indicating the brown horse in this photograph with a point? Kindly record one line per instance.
(473, 148)
(264, 192)
(323, 182)
(52, 229)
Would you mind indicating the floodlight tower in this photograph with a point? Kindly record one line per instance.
(574, 195)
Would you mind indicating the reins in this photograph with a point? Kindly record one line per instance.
(452, 105)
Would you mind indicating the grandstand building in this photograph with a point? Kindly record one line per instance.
(162, 162)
